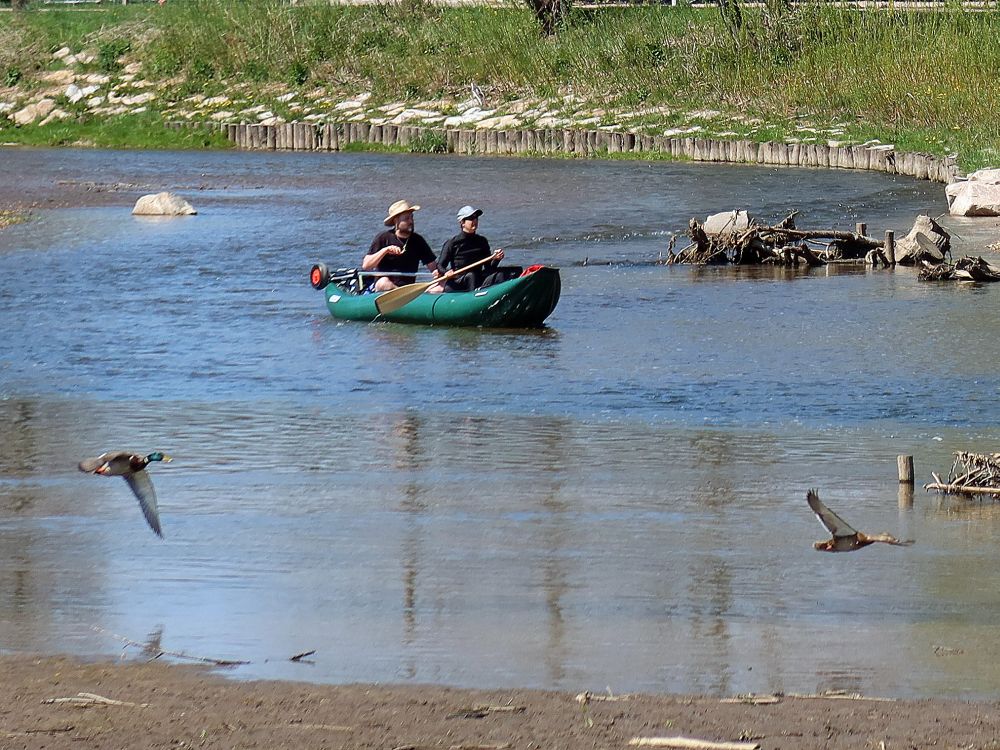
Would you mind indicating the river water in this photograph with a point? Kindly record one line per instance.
(614, 501)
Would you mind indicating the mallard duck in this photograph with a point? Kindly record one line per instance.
(132, 468)
(845, 537)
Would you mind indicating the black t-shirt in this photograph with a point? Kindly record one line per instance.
(415, 251)
(463, 249)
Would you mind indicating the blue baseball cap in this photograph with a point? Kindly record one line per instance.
(468, 212)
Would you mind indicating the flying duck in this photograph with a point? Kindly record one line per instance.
(845, 537)
(132, 468)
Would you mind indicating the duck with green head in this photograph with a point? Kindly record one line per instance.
(132, 468)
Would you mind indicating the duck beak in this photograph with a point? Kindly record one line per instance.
(167, 459)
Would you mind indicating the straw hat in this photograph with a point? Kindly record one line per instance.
(397, 208)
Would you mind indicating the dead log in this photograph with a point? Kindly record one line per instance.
(966, 268)
(971, 474)
(927, 240)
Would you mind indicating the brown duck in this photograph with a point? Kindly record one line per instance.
(845, 537)
(132, 468)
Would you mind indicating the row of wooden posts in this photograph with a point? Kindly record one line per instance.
(330, 136)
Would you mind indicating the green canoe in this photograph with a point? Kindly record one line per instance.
(519, 303)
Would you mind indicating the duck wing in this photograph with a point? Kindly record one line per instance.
(118, 463)
(142, 487)
(833, 523)
(90, 465)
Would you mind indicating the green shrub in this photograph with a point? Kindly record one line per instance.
(428, 142)
(109, 52)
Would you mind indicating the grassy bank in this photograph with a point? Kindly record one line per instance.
(925, 81)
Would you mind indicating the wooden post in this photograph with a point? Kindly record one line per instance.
(890, 246)
(861, 229)
(905, 466)
(905, 499)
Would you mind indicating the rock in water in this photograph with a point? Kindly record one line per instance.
(162, 204)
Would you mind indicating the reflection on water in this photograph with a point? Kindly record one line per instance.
(614, 501)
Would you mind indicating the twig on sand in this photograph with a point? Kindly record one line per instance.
(840, 695)
(689, 743)
(92, 699)
(177, 654)
(753, 699)
(324, 727)
(588, 697)
(41, 730)
(479, 712)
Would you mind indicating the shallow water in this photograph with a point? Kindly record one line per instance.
(616, 500)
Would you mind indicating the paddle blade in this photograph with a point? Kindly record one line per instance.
(396, 298)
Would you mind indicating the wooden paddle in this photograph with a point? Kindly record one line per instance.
(394, 299)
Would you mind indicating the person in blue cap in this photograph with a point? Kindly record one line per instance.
(468, 246)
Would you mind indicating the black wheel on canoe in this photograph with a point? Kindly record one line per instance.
(319, 276)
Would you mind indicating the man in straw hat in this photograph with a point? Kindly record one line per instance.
(398, 250)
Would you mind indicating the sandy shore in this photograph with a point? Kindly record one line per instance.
(157, 705)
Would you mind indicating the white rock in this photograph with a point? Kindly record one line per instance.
(95, 101)
(98, 78)
(222, 114)
(56, 114)
(266, 115)
(74, 93)
(60, 53)
(972, 198)
(502, 123)
(162, 204)
(408, 115)
(286, 97)
(473, 115)
(131, 101)
(34, 111)
(986, 176)
(349, 104)
(214, 101)
(61, 77)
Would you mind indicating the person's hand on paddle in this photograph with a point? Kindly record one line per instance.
(393, 250)
(498, 255)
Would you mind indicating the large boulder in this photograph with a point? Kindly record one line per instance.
(34, 111)
(977, 195)
(162, 204)
(928, 241)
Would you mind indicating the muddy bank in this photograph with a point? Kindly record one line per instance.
(173, 706)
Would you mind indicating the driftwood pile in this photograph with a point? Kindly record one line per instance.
(735, 238)
(971, 474)
(964, 269)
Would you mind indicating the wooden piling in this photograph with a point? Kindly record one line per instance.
(861, 229)
(904, 497)
(890, 247)
(905, 466)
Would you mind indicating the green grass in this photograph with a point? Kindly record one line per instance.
(145, 131)
(923, 80)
